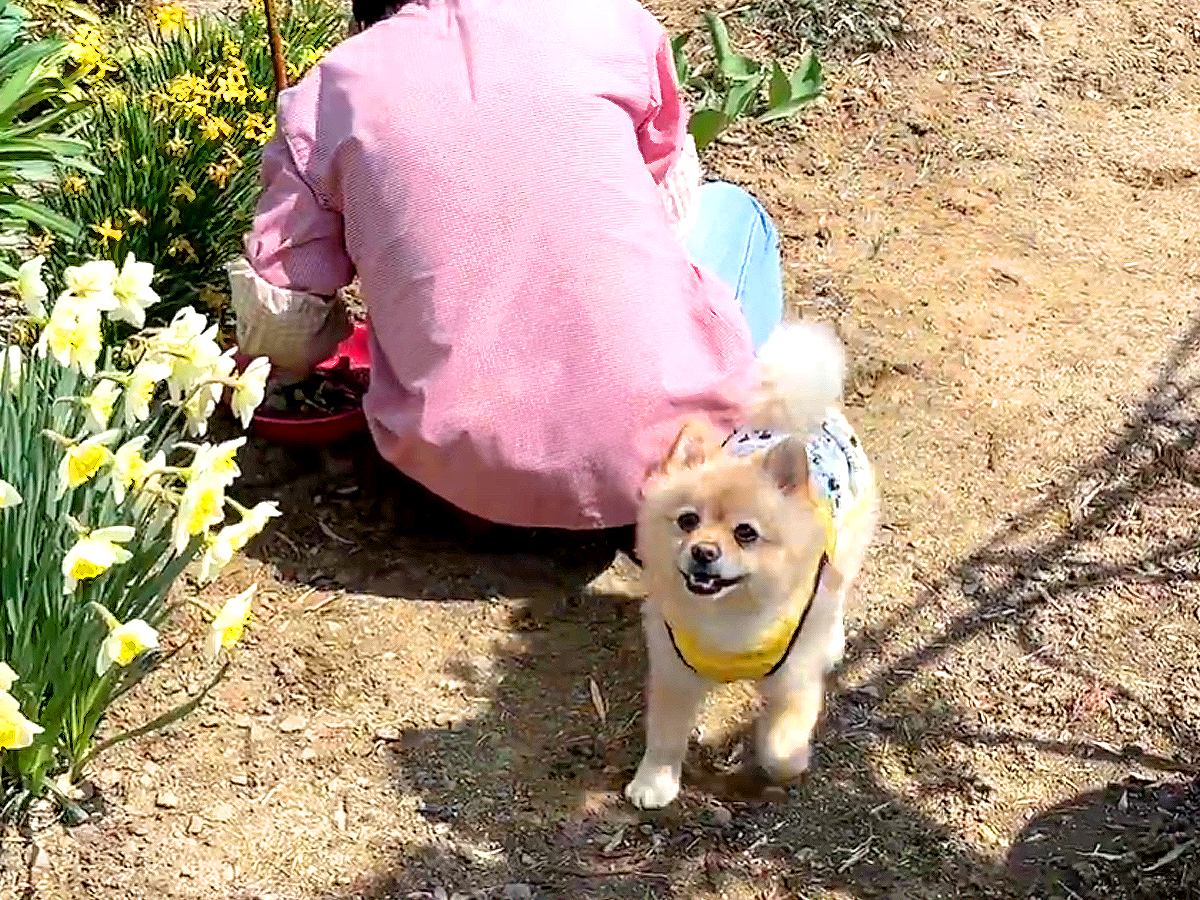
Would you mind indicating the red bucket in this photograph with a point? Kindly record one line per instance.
(320, 430)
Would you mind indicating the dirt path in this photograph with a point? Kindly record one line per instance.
(1001, 220)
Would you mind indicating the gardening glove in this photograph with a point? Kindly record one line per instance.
(293, 329)
(680, 189)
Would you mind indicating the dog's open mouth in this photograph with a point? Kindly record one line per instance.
(707, 585)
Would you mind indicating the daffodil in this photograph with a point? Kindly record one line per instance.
(9, 497)
(177, 146)
(201, 507)
(130, 469)
(170, 17)
(72, 336)
(249, 389)
(216, 128)
(183, 191)
(94, 554)
(74, 185)
(83, 460)
(16, 731)
(100, 404)
(126, 641)
(220, 549)
(139, 393)
(11, 367)
(219, 175)
(189, 345)
(7, 677)
(107, 231)
(183, 247)
(199, 407)
(42, 243)
(217, 461)
(230, 623)
(31, 288)
(134, 216)
(93, 281)
(132, 289)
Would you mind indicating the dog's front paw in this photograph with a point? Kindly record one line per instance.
(785, 765)
(836, 648)
(653, 787)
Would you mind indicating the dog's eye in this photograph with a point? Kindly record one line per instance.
(745, 534)
(688, 521)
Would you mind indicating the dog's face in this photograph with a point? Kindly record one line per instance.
(718, 529)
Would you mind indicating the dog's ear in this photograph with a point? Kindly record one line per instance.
(693, 445)
(786, 464)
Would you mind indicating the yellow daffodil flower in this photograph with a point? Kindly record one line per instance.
(11, 367)
(201, 507)
(178, 146)
(42, 243)
(170, 17)
(183, 191)
(16, 731)
(83, 460)
(230, 623)
(216, 128)
(7, 677)
(139, 393)
(31, 288)
(72, 336)
(9, 497)
(133, 292)
(220, 549)
(126, 641)
(217, 461)
(219, 175)
(249, 389)
(183, 247)
(107, 231)
(100, 404)
(259, 94)
(131, 470)
(134, 216)
(199, 407)
(74, 185)
(94, 554)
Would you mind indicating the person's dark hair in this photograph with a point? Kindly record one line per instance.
(368, 12)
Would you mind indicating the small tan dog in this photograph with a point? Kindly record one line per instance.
(749, 546)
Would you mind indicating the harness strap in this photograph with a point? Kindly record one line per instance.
(791, 641)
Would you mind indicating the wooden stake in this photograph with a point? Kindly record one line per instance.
(276, 46)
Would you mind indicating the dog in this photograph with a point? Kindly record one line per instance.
(749, 545)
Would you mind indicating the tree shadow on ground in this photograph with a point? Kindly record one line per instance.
(527, 793)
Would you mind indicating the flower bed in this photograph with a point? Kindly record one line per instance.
(108, 492)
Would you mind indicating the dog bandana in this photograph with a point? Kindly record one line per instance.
(836, 465)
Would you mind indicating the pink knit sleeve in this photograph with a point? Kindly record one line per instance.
(662, 134)
(296, 240)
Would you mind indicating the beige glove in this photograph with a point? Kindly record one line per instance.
(293, 329)
(680, 189)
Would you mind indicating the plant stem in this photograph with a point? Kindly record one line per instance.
(276, 46)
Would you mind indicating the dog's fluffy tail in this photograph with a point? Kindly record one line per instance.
(801, 374)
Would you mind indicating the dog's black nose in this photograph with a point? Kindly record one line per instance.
(705, 552)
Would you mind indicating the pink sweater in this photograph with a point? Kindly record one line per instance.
(488, 168)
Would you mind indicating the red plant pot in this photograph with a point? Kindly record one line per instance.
(321, 430)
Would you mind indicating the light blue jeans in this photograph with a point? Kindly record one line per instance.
(734, 239)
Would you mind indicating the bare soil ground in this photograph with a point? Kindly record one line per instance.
(1000, 217)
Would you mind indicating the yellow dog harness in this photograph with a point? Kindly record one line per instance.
(836, 461)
